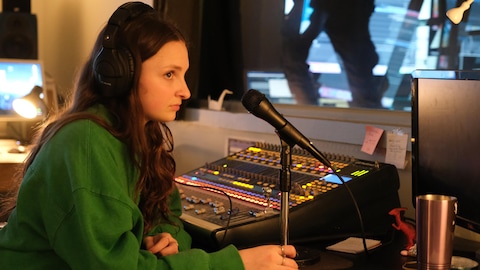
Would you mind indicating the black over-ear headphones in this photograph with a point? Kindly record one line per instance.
(114, 66)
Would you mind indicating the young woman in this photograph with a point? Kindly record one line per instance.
(97, 190)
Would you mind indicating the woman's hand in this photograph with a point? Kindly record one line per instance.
(269, 257)
(162, 244)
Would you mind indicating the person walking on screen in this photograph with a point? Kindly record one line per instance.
(347, 25)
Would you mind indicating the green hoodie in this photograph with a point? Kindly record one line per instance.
(75, 210)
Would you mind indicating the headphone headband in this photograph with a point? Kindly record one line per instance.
(114, 66)
(124, 13)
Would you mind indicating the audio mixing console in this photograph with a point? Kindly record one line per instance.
(236, 200)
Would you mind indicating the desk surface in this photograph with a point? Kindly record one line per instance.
(9, 156)
(9, 163)
(385, 257)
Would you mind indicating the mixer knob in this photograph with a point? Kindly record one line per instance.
(258, 214)
(216, 204)
(297, 189)
(267, 191)
(193, 199)
(206, 201)
(219, 210)
(189, 207)
(200, 211)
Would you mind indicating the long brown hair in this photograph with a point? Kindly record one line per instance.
(150, 145)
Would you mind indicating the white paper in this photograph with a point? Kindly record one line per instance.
(354, 245)
(396, 149)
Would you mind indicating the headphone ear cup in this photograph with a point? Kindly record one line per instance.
(114, 65)
(114, 71)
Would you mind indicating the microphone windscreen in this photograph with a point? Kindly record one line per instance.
(251, 99)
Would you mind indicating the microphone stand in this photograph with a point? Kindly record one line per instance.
(305, 256)
(285, 186)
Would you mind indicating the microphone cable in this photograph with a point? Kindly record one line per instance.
(230, 205)
(257, 104)
(357, 209)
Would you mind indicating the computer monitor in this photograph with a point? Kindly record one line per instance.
(272, 84)
(446, 139)
(17, 78)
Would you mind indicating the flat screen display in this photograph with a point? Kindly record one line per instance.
(17, 79)
(446, 139)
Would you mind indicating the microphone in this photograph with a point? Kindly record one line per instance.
(257, 104)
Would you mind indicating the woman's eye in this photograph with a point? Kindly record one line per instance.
(169, 75)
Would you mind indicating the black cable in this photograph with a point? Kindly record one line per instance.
(230, 204)
(357, 208)
(227, 226)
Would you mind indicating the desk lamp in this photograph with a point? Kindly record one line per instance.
(31, 105)
(456, 14)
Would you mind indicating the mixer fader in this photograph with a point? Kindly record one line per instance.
(237, 199)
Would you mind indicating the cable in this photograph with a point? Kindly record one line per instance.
(359, 214)
(229, 212)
